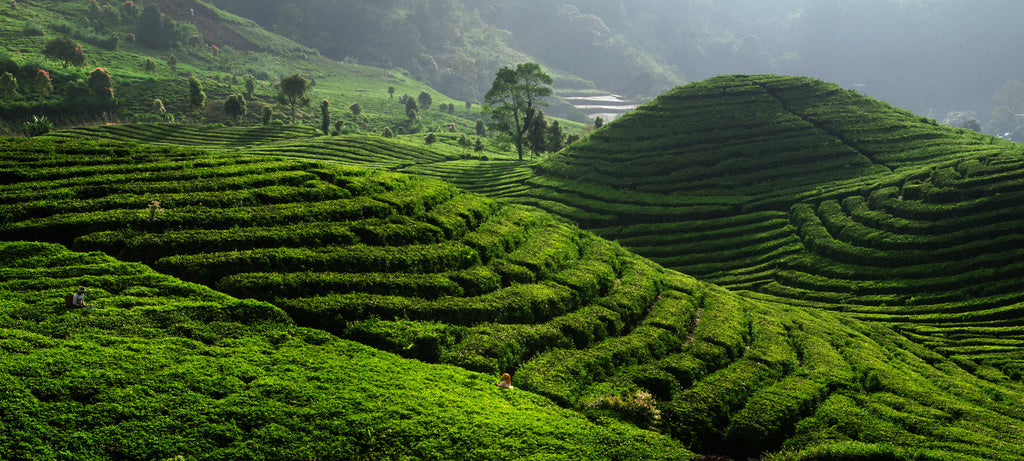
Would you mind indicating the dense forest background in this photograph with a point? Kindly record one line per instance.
(930, 56)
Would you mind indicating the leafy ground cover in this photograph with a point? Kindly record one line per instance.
(165, 369)
(620, 351)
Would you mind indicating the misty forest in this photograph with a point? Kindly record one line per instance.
(699, 230)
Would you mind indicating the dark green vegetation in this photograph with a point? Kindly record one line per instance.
(870, 254)
(226, 54)
(164, 367)
(796, 189)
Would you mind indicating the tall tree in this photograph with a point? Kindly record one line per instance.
(556, 137)
(196, 95)
(293, 92)
(325, 116)
(536, 130)
(512, 94)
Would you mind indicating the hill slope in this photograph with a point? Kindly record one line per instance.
(417, 267)
(794, 188)
(163, 368)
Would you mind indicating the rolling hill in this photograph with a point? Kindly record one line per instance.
(854, 296)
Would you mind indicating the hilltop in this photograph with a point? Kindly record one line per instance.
(795, 189)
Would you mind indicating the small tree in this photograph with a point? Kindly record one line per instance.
(537, 130)
(325, 116)
(425, 100)
(158, 108)
(481, 128)
(387, 133)
(149, 65)
(391, 93)
(8, 86)
(293, 92)
(235, 106)
(265, 115)
(598, 122)
(451, 109)
(464, 142)
(469, 105)
(172, 62)
(413, 115)
(196, 95)
(430, 139)
(66, 51)
(101, 84)
(43, 84)
(250, 85)
(478, 145)
(556, 137)
(410, 104)
(355, 108)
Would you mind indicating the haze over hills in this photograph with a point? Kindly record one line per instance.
(928, 56)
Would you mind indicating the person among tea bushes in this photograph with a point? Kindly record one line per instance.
(78, 299)
(506, 381)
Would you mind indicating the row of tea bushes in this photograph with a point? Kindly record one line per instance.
(165, 369)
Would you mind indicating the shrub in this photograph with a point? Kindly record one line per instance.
(39, 125)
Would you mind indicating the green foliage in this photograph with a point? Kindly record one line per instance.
(38, 126)
(196, 95)
(235, 106)
(163, 355)
(8, 86)
(66, 51)
(512, 94)
(325, 116)
(293, 92)
(923, 355)
(101, 84)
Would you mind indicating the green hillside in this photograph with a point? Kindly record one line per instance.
(164, 369)
(612, 356)
(795, 189)
(219, 49)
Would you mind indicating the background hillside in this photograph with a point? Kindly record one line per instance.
(929, 56)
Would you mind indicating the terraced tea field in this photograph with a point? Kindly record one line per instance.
(164, 369)
(473, 172)
(793, 189)
(419, 268)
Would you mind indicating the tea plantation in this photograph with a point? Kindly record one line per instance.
(262, 294)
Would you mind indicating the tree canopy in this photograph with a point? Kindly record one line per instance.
(65, 50)
(512, 94)
(293, 91)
